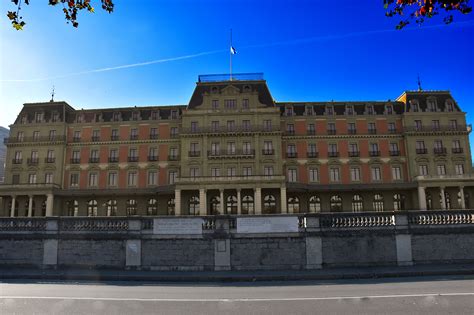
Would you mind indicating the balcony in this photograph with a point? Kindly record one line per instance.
(50, 160)
(290, 133)
(75, 161)
(95, 138)
(194, 153)
(222, 180)
(331, 131)
(457, 150)
(392, 131)
(291, 154)
(333, 154)
(76, 139)
(232, 154)
(311, 132)
(153, 158)
(93, 160)
(312, 154)
(56, 138)
(394, 152)
(268, 151)
(133, 137)
(354, 153)
(352, 131)
(444, 128)
(32, 161)
(372, 131)
(133, 158)
(173, 157)
(113, 159)
(439, 151)
(422, 151)
(114, 137)
(153, 136)
(374, 153)
(17, 161)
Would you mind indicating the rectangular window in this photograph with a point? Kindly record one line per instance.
(153, 154)
(153, 133)
(194, 126)
(267, 125)
(132, 178)
(231, 125)
(289, 111)
(194, 147)
(172, 176)
(396, 173)
(453, 124)
(309, 110)
(246, 125)
(290, 129)
(20, 136)
(74, 180)
(15, 179)
(353, 149)
(116, 116)
(389, 109)
(441, 169)
(267, 148)
(174, 132)
(36, 135)
(215, 104)
(313, 175)
(331, 128)
(370, 109)
(245, 103)
(94, 156)
(112, 179)
(34, 156)
(113, 155)
(329, 110)
(376, 174)
(230, 104)
(292, 175)
(52, 135)
(194, 172)
(215, 148)
(173, 153)
(18, 157)
(312, 151)
(247, 171)
(349, 110)
(431, 105)
(155, 115)
(332, 150)
(372, 128)
(93, 179)
(420, 144)
(355, 174)
(231, 148)
(55, 117)
(291, 150)
(215, 172)
(311, 129)
(115, 135)
(77, 136)
(133, 155)
(418, 125)
(422, 170)
(135, 115)
(39, 117)
(268, 171)
(391, 127)
(334, 174)
(435, 125)
(215, 126)
(32, 178)
(459, 168)
(231, 172)
(174, 114)
(95, 135)
(48, 178)
(247, 148)
(351, 128)
(152, 178)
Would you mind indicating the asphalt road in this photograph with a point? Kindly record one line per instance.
(427, 295)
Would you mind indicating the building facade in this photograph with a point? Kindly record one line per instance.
(235, 150)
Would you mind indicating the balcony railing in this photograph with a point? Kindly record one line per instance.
(95, 138)
(311, 132)
(374, 153)
(225, 129)
(235, 153)
(226, 179)
(153, 158)
(173, 157)
(333, 154)
(352, 131)
(76, 139)
(153, 136)
(194, 153)
(50, 160)
(133, 137)
(394, 152)
(439, 151)
(133, 158)
(331, 131)
(32, 161)
(354, 153)
(268, 151)
(34, 139)
(312, 154)
(113, 159)
(291, 154)
(17, 161)
(114, 137)
(93, 160)
(372, 131)
(438, 128)
(75, 161)
(421, 151)
(290, 132)
(457, 150)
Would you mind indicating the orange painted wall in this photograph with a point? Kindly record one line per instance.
(300, 128)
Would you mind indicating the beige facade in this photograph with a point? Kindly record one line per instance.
(233, 149)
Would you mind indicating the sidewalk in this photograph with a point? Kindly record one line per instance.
(234, 276)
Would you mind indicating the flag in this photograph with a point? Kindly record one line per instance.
(232, 50)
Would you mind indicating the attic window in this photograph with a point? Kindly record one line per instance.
(135, 115)
(214, 90)
(309, 110)
(39, 117)
(23, 119)
(247, 88)
(330, 110)
(414, 106)
(116, 116)
(350, 110)
(449, 106)
(55, 117)
(370, 109)
(79, 118)
(431, 105)
(154, 115)
(389, 109)
(174, 114)
(289, 111)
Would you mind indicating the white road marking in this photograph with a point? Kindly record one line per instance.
(238, 299)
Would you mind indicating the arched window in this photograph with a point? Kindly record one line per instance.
(335, 203)
(111, 207)
(194, 205)
(378, 202)
(269, 204)
(73, 208)
(248, 206)
(293, 205)
(357, 203)
(171, 206)
(131, 207)
(398, 202)
(429, 201)
(152, 208)
(314, 204)
(215, 205)
(92, 208)
(231, 204)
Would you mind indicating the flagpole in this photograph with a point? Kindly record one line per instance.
(230, 52)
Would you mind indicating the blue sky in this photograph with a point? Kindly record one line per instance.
(308, 50)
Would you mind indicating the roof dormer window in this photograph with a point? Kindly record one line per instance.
(370, 109)
(174, 114)
(449, 106)
(330, 110)
(349, 110)
(55, 117)
(39, 117)
(431, 105)
(414, 106)
(289, 111)
(23, 119)
(389, 109)
(79, 118)
(135, 115)
(116, 116)
(154, 115)
(309, 110)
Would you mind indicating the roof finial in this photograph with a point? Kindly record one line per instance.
(52, 95)
(419, 83)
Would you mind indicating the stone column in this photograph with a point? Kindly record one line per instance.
(239, 202)
(222, 201)
(463, 201)
(443, 198)
(30, 206)
(202, 202)
(49, 205)
(421, 198)
(284, 200)
(177, 202)
(258, 200)
(12, 209)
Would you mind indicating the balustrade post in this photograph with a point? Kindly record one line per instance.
(133, 247)
(258, 200)
(222, 201)
(284, 206)
(422, 198)
(202, 201)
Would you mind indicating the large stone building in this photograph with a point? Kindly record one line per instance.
(233, 149)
